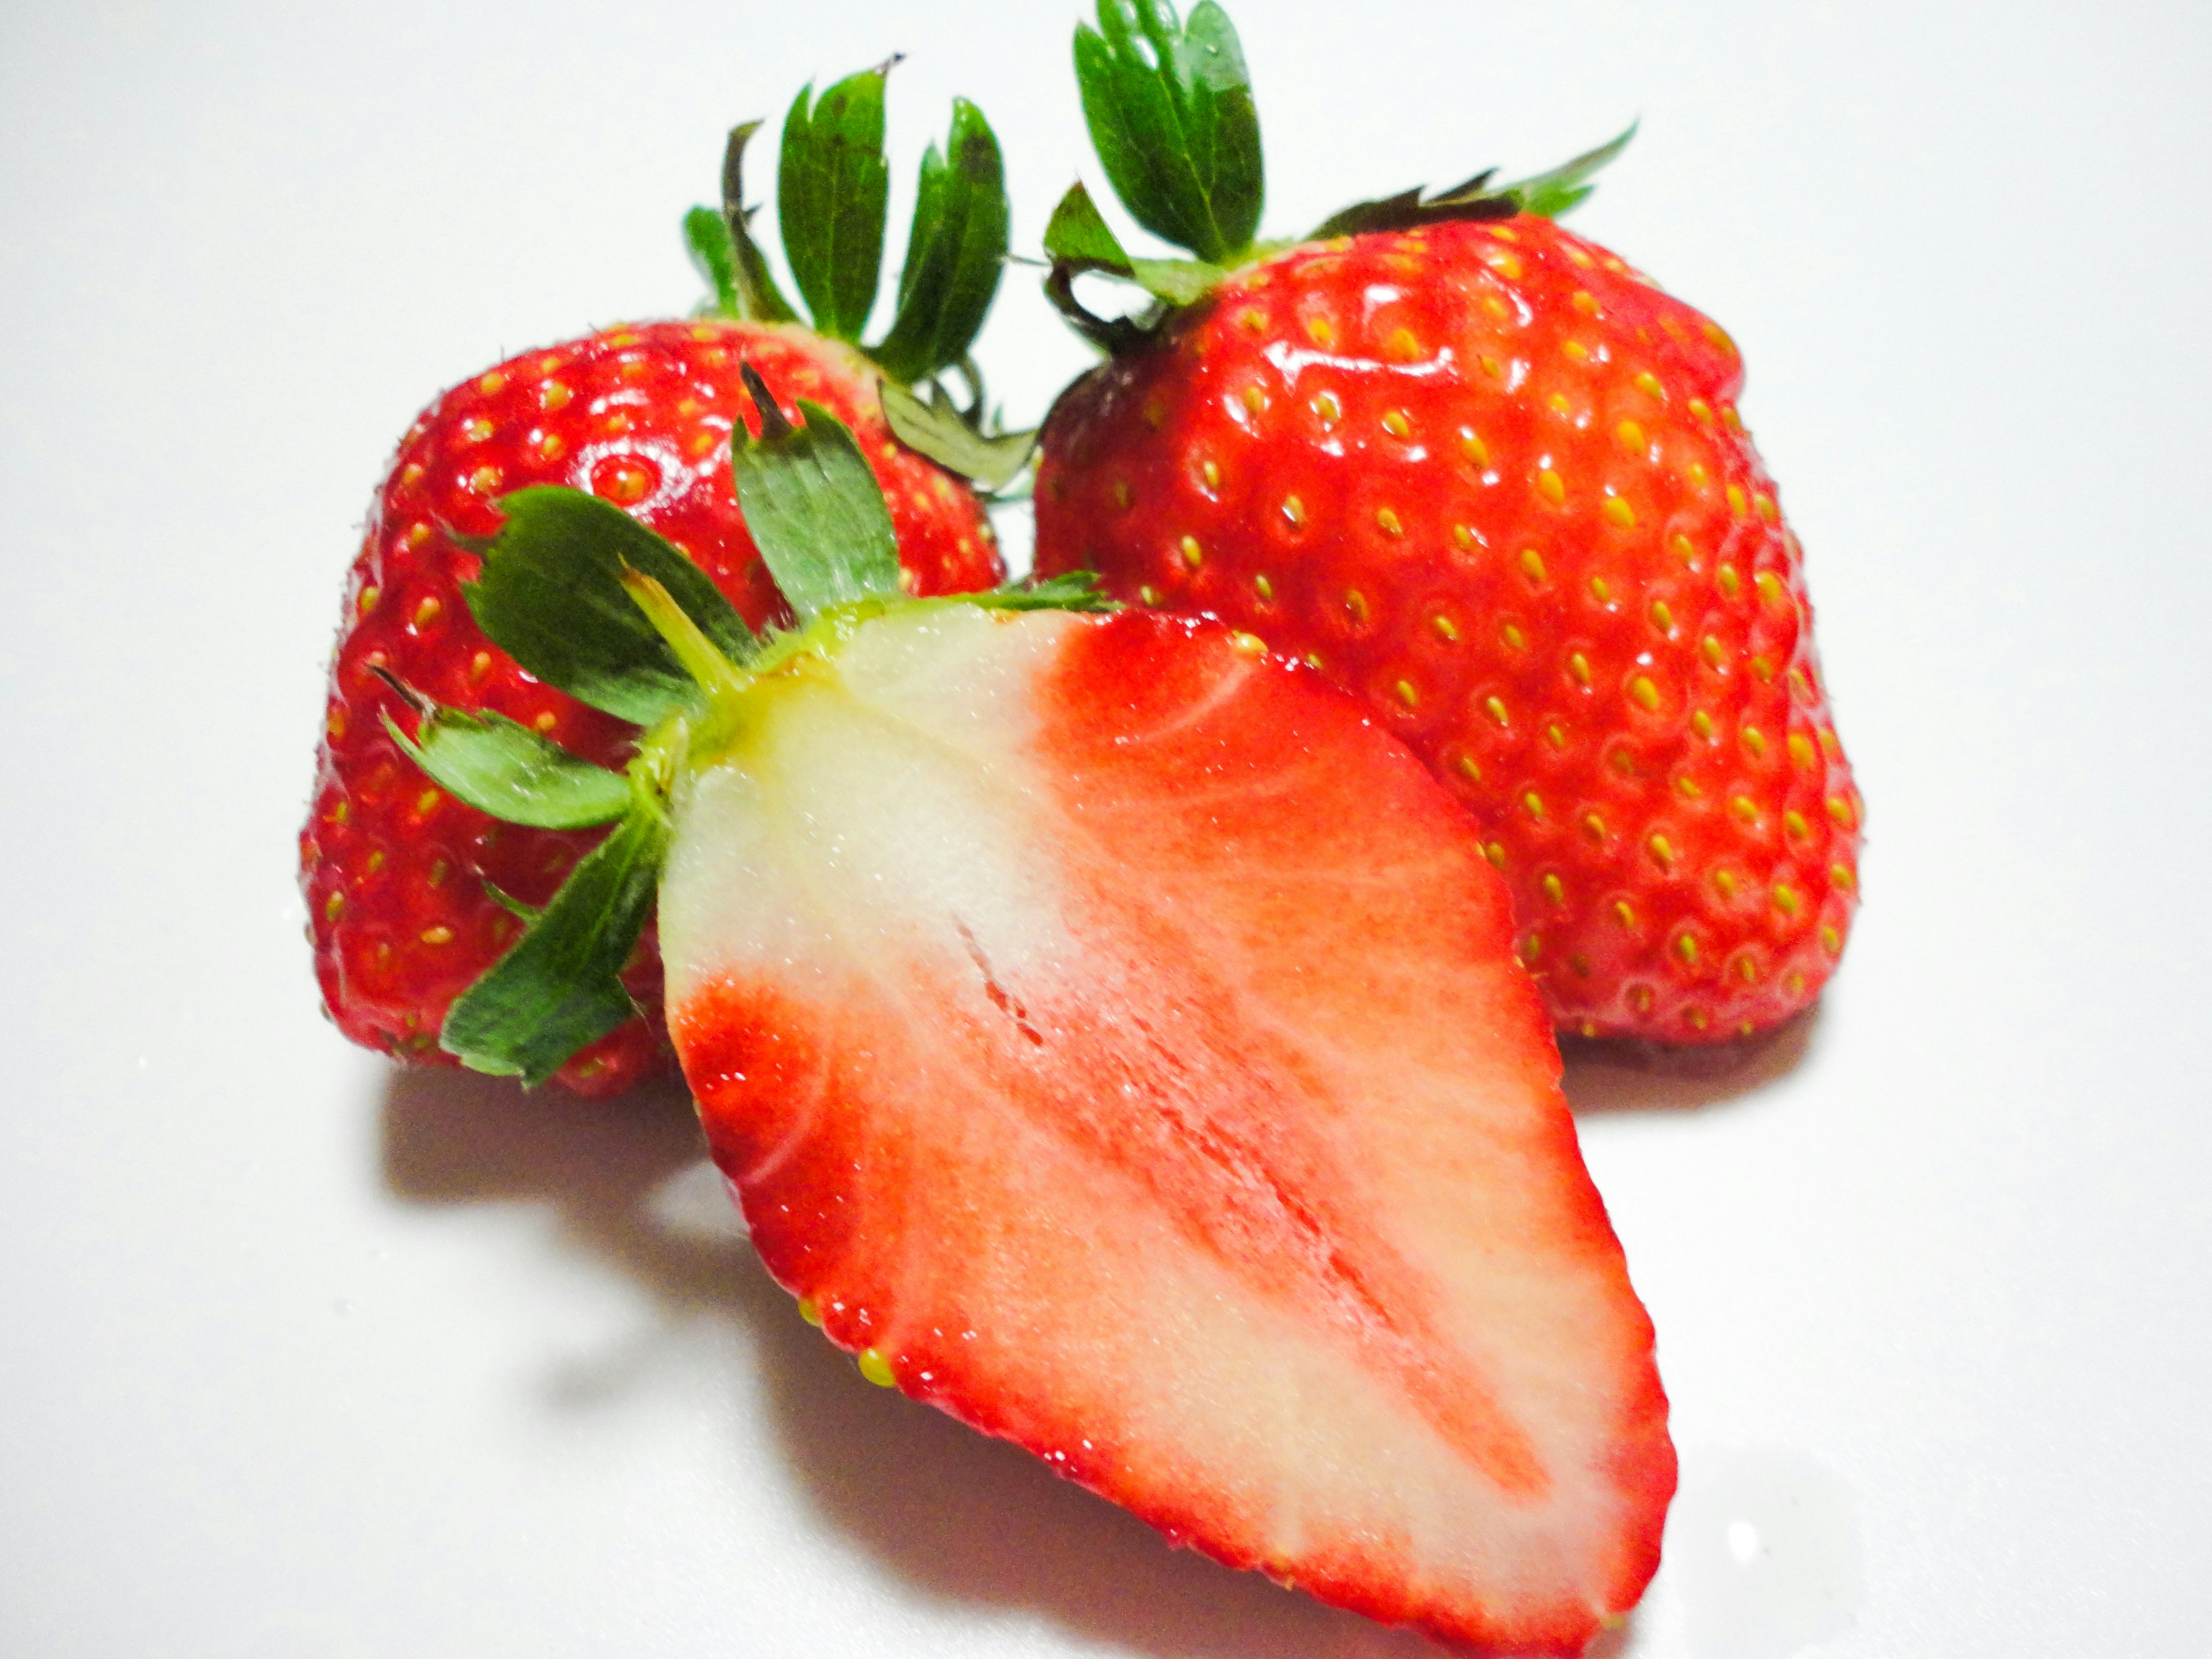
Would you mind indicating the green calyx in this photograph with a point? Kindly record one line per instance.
(588, 600)
(1171, 116)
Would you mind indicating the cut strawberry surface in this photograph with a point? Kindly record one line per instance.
(1111, 1035)
(1120, 1041)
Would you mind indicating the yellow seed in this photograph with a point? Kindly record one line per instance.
(1473, 448)
(1840, 809)
(1841, 875)
(1409, 694)
(877, 1369)
(1327, 407)
(1795, 827)
(1730, 584)
(1209, 472)
(1700, 409)
(810, 1310)
(1531, 947)
(1584, 301)
(1253, 321)
(1463, 535)
(1551, 486)
(1397, 425)
(1718, 336)
(1446, 629)
(334, 907)
(1762, 667)
(1573, 253)
(1193, 555)
(1687, 787)
(1663, 616)
(1505, 264)
(1122, 494)
(1469, 769)
(1800, 687)
(1618, 514)
(1148, 594)
(1263, 587)
(1648, 384)
(1385, 520)
(1736, 501)
(475, 429)
(1578, 665)
(1559, 404)
(1644, 692)
(1593, 826)
(1514, 638)
(1733, 421)
(1698, 475)
(1711, 648)
(427, 802)
(341, 812)
(1747, 971)
(410, 475)
(1686, 948)
(1321, 332)
(428, 613)
(1356, 603)
(1695, 1017)
(1255, 399)
(1493, 368)
(369, 596)
(1829, 746)
(1496, 307)
(1624, 913)
(480, 665)
(1801, 749)
(1786, 900)
(1769, 586)
(1534, 803)
(1724, 883)
(1763, 504)
(1630, 436)
(441, 934)
(1794, 985)
(1532, 564)
(1555, 890)
(1495, 707)
(1702, 724)
(1661, 851)
(1576, 351)
(1402, 346)
(554, 396)
(546, 721)
(1556, 735)
(1251, 645)
(484, 480)
(1744, 807)
(1755, 740)
(418, 534)
(1832, 941)
(1496, 853)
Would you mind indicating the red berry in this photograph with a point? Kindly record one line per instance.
(1492, 481)
(395, 870)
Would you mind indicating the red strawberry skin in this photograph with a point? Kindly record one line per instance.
(393, 868)
(1186, 1119)
(1493, 482)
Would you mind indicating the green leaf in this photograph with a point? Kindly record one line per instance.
(550, 595)
(715, 253)
(1179, 282)
(1171, 116)
(507, 902)
(1550, 194)
(1078, 235)
(1071, 590)
(832, 196)
(1409, 208)
(954, 256)
(937, 430)
(758, 299)
(814, 508)
(561, 986)
(518, 776)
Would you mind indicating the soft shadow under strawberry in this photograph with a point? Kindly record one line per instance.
(1613, 1075)
(958, 1516)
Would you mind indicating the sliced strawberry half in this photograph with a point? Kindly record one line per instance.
(1113, 1037)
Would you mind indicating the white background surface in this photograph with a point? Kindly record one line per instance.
(302, 1356)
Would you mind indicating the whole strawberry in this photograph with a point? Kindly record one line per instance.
(413, 894)
(1481, 472)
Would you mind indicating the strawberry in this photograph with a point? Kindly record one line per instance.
(1114, 1038)
(412, 894)
(1482, 474)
